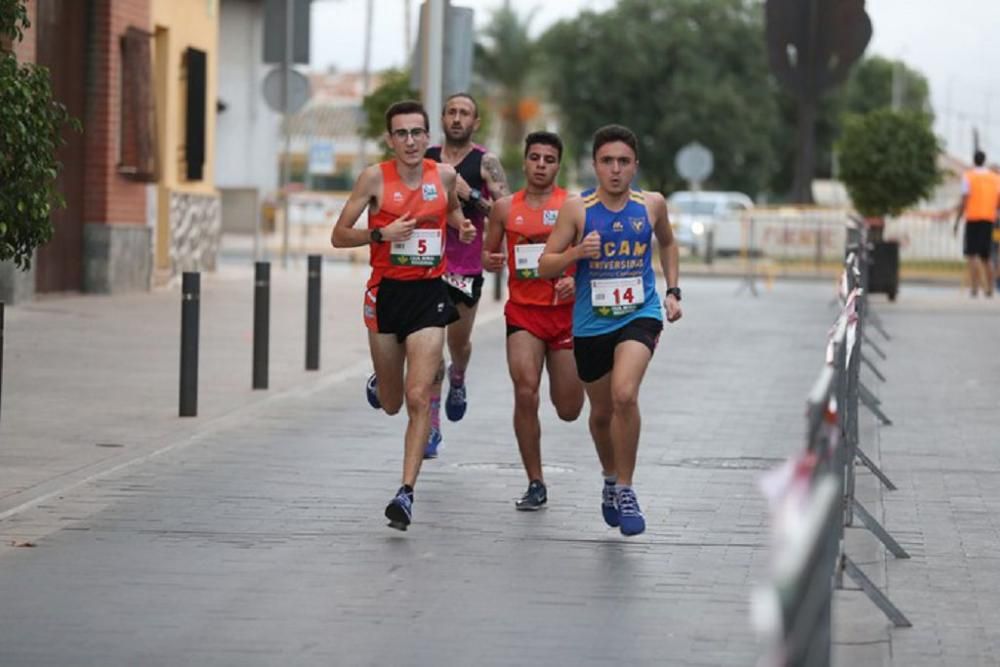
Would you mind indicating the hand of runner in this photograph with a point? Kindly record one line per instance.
(399, 229)
(565, 288)
(467, 232)
(590, 247)
(493, 261)
(673, 307)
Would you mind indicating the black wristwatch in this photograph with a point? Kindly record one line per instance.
(676, 291)
(375, 235)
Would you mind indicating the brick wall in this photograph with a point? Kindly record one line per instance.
(110, 198)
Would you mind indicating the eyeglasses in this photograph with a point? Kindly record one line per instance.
(415, 133)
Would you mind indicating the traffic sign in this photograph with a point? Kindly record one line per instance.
(299, 90)
(694, 162)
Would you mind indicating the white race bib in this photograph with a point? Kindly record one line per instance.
(526, 259)
(423, 248)
(462, 283)
(614, 297)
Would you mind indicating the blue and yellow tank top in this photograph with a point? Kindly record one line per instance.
(620, 286)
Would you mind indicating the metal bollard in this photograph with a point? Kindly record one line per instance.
(190, 304)
(313, 285)
(261, 322)
(1, 357)
(709, 246)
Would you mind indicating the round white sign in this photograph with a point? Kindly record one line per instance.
(694, 162)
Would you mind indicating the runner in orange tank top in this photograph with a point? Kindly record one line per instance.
(410, 201)
(539, 311)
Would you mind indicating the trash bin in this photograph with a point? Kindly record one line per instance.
(883, 274)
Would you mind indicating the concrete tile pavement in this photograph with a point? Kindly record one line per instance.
(258, 539)
(944, 454)
(91, 382)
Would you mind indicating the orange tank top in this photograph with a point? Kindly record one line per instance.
(984, 195)
(526, 230)
(422, 256)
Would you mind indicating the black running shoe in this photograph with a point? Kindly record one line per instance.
(533, 499)
(400, 510)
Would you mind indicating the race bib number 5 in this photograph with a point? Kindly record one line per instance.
(526, 260)
(614, 297)
(423, 248)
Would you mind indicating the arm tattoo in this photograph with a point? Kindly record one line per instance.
(496, 179)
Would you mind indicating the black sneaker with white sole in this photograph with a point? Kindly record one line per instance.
(534, 498)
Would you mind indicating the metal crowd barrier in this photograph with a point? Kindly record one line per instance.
(812, 496)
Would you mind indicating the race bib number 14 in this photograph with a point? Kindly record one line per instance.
(614, 297)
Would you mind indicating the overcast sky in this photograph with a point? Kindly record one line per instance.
(955, 43)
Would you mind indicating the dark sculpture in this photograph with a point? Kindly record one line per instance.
(812, 45)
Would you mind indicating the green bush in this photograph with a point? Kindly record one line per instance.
(31, 122)
(888, 161)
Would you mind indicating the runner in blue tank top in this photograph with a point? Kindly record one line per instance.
(617, 317)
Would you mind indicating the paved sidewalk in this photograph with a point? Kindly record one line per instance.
(253, 535)
(91, 382)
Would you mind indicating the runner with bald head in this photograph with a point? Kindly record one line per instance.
(481, 180)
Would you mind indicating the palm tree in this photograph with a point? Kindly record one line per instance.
(505, 56)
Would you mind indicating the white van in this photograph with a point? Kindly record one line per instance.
(695, 215)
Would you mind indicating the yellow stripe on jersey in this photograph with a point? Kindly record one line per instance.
(637, 196)
(590, 200)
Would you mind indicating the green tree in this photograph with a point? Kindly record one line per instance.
(394, 86)
(869, 87)
(674, 73)
(873, 80)
(505, 59)
(31, 124)
(888, 160)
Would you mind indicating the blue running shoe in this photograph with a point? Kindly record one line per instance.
(608, 507)
(534, 498)
(632, 520)
(455, 405)
(371, 389)
(399, 511)
(431, 449)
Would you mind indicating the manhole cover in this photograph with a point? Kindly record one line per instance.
(555, 469)
(731, 463)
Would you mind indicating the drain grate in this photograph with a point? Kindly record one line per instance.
(727, 463)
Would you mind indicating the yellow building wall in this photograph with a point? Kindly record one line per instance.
(178, 25)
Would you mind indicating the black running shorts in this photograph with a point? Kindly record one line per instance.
(978, 238)
(402, 307)
(595, 355)
(473, 284)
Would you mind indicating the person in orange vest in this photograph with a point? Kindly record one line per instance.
(980, 200)
(995, 255)
(411, 201)
(539, 312)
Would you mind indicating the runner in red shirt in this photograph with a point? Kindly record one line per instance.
(539, 311)
(410, 202)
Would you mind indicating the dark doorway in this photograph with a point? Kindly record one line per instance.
(62, 47)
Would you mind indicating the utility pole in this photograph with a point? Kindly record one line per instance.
(433, 61)
(286, 164)
(366, 78)
(407, 33)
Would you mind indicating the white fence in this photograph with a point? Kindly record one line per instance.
(818, 234)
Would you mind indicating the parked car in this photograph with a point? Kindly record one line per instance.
(696, 215)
